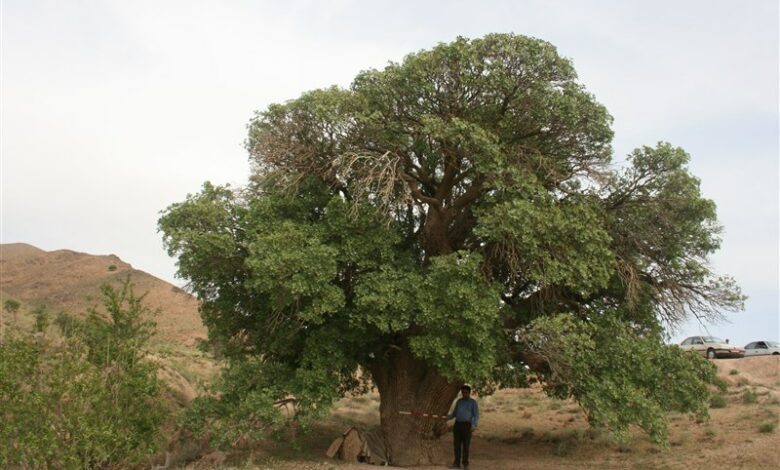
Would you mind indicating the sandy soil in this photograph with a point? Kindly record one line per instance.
(523, 429)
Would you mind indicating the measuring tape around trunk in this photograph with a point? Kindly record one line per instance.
(417, 413)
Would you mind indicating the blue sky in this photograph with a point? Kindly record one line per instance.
(112, 110)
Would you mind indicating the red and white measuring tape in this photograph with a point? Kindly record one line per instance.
(418, 413)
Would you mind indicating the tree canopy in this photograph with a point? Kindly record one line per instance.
(453, 218)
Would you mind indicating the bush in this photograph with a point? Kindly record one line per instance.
(41, 319)
(721, 384)
(11, 306)
(84, 401)
(202, 345)
(67, 324)
(767, 427)
(718, 401)
(733, 372)
(749, 397)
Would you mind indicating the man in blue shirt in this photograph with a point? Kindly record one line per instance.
(466, 414)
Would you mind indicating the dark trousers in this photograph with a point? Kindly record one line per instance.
(462, 438)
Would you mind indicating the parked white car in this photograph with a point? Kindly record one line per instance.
(711, 347)
(762, 348)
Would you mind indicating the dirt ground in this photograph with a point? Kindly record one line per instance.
(519, 428)
(523, 429)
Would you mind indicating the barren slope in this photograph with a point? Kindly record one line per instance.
(70, 281)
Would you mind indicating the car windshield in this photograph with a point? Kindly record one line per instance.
(712, 339)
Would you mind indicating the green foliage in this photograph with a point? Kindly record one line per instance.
(202, 345)
(619, 376)
(11, 306)
(118, 333)
(721, 384)
(72, 403)
(41, 314)
(461, 346)
(664, 226)
(67, 324)
(749, 397)
(417, 223)
(767, 427)
(718, 401)
(241, 404)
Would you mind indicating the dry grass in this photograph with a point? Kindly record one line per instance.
(523, 429)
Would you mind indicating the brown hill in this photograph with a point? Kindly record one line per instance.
(70, 281)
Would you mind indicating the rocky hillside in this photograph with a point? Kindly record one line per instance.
(70, 281)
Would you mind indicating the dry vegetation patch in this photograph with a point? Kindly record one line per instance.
(524, 429)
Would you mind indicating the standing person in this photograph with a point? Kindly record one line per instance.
(466, 414)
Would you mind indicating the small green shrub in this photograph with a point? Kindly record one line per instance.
(85, 401)
(749, 397)
(733, 372)
(41, 315)
(11, 306)
(721, 384)
(67, 324)
(112, 268)
(202, 345)
(767, 427)
(718, 401)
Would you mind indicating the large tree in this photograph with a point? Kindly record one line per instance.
(455, 218)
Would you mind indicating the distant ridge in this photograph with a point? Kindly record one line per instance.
(70, 281)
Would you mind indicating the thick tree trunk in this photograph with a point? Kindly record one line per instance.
(435, 234)
(407, 384)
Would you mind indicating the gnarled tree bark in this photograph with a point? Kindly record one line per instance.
(408, 384)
